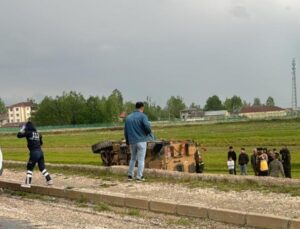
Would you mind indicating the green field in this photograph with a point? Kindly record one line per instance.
(75, 147)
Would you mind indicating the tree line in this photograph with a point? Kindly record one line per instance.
(72, 108)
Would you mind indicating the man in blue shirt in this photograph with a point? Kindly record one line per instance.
(137, 132)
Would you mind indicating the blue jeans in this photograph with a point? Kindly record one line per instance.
(243, 169)
(138, 153)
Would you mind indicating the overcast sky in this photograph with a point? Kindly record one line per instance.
(156, 48)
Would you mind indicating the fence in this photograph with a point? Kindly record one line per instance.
(161, 123)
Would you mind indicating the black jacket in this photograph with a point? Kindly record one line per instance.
(285, 157)
(243, 159)
(34, 139)
(232, 154)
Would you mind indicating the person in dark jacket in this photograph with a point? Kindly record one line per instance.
(243, 161)
(34, 143)
(253, 161)
(231, 154)
(286, 161)
(137, 132)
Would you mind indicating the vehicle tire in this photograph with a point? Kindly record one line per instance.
(101, 146)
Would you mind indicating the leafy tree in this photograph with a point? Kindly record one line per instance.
(233, 104)
(47, 113)
(114, 105)
(270, 102)
(174, 106)
(256, 102)
(213, 103)
(246, 104)
(195, 106)
(70, 108)
(96, 110)
(128, 107)
(2, 106)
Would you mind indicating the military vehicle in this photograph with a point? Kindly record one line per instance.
(183, 156)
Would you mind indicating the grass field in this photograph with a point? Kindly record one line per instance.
(75, 147)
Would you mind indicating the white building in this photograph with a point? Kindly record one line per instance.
(261, 112)
(20, 112)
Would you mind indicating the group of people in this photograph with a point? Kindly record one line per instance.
(138, 132)
(264, 162)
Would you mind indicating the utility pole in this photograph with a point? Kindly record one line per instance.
(294, 87)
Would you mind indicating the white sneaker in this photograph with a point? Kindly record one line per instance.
(50, 182)
(26, 185)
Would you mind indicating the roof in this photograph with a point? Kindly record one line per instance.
(256, 109)
(22, 104)
(123, 114)
(190, 109)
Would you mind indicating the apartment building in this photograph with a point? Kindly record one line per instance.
(20, 112)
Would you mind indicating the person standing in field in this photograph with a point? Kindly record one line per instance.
(286, 161)
(275, 167)
(36, 155)
(243, 161)
(230, 164)
(232, 154)
(253, 161)
(262, 163)
(137, 132)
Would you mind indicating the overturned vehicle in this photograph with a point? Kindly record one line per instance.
(183, 156)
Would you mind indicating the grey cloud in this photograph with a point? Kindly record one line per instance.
(148, 48)
(239, 11)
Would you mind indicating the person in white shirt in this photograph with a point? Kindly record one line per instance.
(230, 164)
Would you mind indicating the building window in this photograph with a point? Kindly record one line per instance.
(11, 115)
(17, 115)
(28, 108)
(18, 120)
(17, 108)
(11, 120)
(11, 109)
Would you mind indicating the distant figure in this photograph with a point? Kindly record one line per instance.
(271, 155)
(36, 155)
(243, 161)
(253, 161)
(230, 164)
(275, 167)
(286, 161)
(262, 163)
(232, 154)
(137, 132)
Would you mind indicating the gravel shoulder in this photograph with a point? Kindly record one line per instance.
(249, 201)
(19, 212)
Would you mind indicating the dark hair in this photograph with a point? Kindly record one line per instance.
(29, 126)
(139, 105)
(242, 148)
(230, 147)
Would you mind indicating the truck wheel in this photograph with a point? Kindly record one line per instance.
(102, 146)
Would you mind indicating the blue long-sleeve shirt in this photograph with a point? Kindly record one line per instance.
(137, 128)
